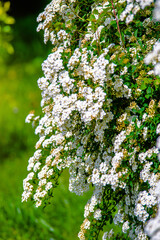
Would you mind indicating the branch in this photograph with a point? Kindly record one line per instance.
(121, 41)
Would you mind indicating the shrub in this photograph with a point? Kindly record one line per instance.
(100, 113)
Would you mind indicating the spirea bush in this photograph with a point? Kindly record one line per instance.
(101, 113)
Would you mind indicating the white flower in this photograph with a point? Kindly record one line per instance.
(156, 12)
(158, 129)
(125, 226)
(105, 236)
(144, 117)
(36, 167)
(157, 69)
(153, 226)
(97, 214)
(145, 130)
(38, 203)
(29, 118)
(129, 18)
(87, 224)
(103, 167)
(110, 234)
(48, 186)
(158, 142)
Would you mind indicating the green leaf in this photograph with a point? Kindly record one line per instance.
(131, 183)
(95, 12)
(134, 118)
(135, 33)
(149, 90)
(147, 96)
(143, 86)
(92, 18)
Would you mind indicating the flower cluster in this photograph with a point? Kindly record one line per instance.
(156, 11)
(154, 58)
(100, 113)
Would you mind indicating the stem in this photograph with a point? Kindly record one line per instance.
(121, 42)
(98, 41)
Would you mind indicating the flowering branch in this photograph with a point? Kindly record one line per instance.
(121, 41)
(101, 116)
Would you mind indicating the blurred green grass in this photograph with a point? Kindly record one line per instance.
(19, 94)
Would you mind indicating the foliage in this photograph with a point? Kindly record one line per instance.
(27, 44)
(100, 113)
(5, 31)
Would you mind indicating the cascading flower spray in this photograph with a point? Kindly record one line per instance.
(100, 113)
